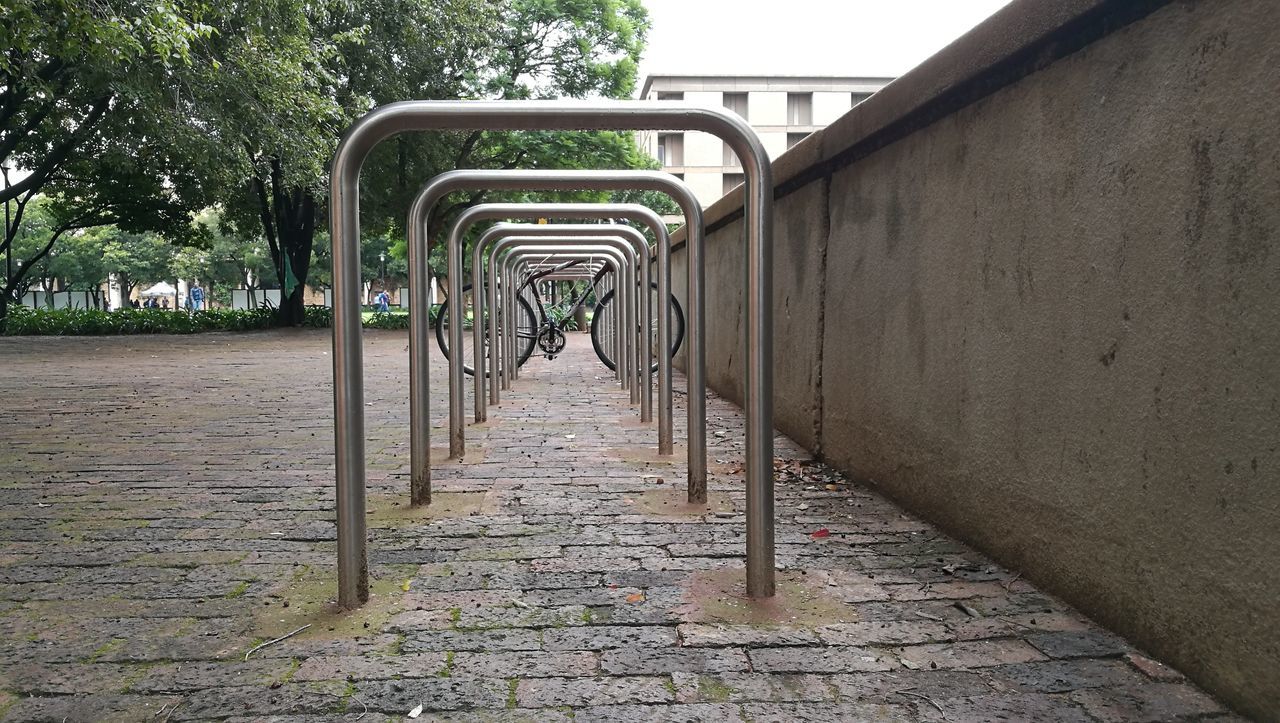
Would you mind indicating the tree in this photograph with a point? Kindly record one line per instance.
(83, 88)
(351, 57)
(79, 263)
(312, 70)
(228, 260)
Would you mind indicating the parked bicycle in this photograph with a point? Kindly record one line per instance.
(544, 329)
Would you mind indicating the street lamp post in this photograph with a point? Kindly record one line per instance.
(8, 249)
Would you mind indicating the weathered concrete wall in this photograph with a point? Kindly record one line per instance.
(1049, 319)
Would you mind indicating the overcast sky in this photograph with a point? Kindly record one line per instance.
(803, 37)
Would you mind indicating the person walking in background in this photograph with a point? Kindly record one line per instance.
(197, 298)
(384, 301)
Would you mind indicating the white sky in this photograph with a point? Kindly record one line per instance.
(803, 37)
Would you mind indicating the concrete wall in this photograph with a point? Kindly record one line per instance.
(1032, 291)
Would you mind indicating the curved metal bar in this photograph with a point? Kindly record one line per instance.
(344, 193)
(628, 211)
(419, 273)
(617, 255)
(627, 233)
(587, 270)
(508, 337)
(498, 234)
(492, 211)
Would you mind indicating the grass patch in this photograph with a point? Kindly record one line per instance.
(713, 690)
(310, 594)
(238, 590)
(447, 670)
(512, 683)
(102, 650)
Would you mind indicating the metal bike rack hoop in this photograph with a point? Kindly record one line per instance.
(628, 211)
(556, 180)
(505, 236)
(344, 193)
(640, 385)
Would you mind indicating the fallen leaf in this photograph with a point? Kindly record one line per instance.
(570, 436)
(415, 712)
(635, 597)
(824, 532)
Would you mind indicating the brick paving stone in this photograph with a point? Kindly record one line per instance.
(743, 687)
(884, 687)
(698, 635)
(1150, 702)
(1062, 676)
(398, 697)
(1002, 707)
(696, 713)
(143, 553)
(606, 637)
(102, 707)
(788, 712)
(969, 654)
(477, 640)
(587, 692)
(650, 661)
(348, 667)
(820, 660)
(530, 664)
(1083, 644)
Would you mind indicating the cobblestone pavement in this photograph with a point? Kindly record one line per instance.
(167, 506)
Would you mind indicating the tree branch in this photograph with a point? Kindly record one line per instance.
(39, 176)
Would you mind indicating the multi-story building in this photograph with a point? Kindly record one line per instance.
(782, 109)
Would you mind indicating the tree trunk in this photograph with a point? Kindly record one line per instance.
(289, 223)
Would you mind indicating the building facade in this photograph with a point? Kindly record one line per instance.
(783, 110)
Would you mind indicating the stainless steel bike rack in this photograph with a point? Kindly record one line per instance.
(510, 280)
(636, 379)
(505, 236)
(517, 259)
(344, 197)
(509, 339)
(507, 269)
(419, 331)
(628, 211)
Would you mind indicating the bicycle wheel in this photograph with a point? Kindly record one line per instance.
(597, 329)
(526, 332)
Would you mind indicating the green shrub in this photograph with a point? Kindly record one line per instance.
(562, 318)
(95, 322)
(23, 321)
(317, 317)
(387, 320)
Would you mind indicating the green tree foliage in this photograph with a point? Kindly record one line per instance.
(228, 260)
(136, 114)
(84, 93)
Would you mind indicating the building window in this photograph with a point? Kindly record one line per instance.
(856, 98)
(736, 102)
(671, 149)
(794, 138)
(670, 95)
(730, 158)
(732, 181)
(800, 109)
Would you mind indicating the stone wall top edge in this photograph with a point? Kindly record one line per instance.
(1019, 26)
